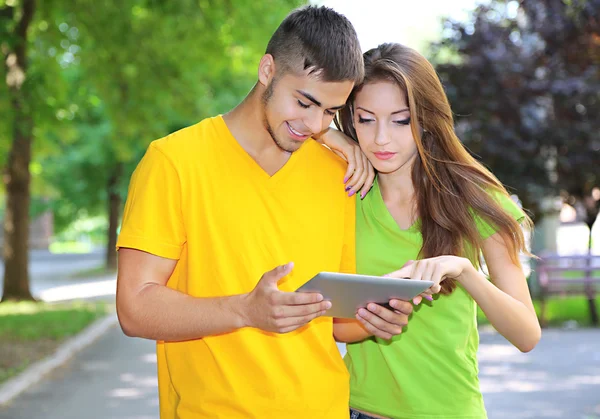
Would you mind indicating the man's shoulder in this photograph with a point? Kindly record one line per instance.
(186, 140)
(324, 157)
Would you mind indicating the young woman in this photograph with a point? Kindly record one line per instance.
(435, 210)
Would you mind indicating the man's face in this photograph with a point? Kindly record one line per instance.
(297, 107)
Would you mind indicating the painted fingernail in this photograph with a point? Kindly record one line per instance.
(351, 193)
(429, 297)
(345, 180)
(362, 195)
(348, 188)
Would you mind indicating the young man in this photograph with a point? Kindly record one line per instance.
(214, 207)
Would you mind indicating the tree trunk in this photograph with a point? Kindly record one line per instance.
(17, 177)
(589, 286)
(591, 213)
(114, 209)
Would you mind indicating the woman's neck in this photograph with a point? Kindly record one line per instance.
(397, 187)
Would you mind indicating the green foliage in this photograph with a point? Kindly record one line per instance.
(108, 80)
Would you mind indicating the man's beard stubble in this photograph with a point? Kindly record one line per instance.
(266, 97)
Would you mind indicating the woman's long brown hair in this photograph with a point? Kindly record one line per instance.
(451, 187)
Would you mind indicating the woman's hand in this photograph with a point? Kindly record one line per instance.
(360, 174)
(435, 269)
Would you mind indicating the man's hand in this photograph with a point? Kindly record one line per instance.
(272, 310)
(360, 174)
(383, 322)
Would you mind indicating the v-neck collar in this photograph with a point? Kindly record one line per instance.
(383, 215)
(252, 164)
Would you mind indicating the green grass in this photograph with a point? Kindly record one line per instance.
(30, 321)
(579, 274)
(560, 310)
(31, 331)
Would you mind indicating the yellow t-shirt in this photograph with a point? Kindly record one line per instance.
(198, 197)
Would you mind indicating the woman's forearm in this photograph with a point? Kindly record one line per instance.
(509, 316)
(349, 331)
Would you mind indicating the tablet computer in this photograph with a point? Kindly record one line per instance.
(349, 292)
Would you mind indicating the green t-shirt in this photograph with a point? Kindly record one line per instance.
(430, 370)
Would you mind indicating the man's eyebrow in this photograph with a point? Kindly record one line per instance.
(393, 113)
(316, 102)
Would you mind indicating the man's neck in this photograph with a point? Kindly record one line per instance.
(247, 126)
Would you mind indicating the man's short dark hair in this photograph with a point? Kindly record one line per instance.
(320, 40)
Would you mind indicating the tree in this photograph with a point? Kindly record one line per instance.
(524, 79)
(32, 96)
(152, 65)
(156, 65)
(15, 27)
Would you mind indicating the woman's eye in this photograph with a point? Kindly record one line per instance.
(362, 120)
(403, 122)
(303, 105)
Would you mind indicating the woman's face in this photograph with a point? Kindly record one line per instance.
(382, 122)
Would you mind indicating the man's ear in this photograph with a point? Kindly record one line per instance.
(266, 70)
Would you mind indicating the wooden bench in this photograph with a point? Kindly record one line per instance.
(569, 275)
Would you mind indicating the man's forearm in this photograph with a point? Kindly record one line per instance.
(160, 313)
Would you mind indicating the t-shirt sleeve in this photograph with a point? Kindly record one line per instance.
(348, 263)
(152, 220)
(486, 229)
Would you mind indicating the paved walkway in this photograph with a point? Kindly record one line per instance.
(560, 378)
(116, 378)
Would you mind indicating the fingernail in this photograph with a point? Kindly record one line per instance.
(351, 193)
(346, 179)
(327, 305)
(362, 312)
(372, 307)
(429, 297)
(348, 188)
(393, 304)
(386, 275)
(362, 195)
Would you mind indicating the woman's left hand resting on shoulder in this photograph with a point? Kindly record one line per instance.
(360, 174)
(506, 302)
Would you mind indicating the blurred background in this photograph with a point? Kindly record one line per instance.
(85, 86)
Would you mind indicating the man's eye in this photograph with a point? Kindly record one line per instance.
(303, 105)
